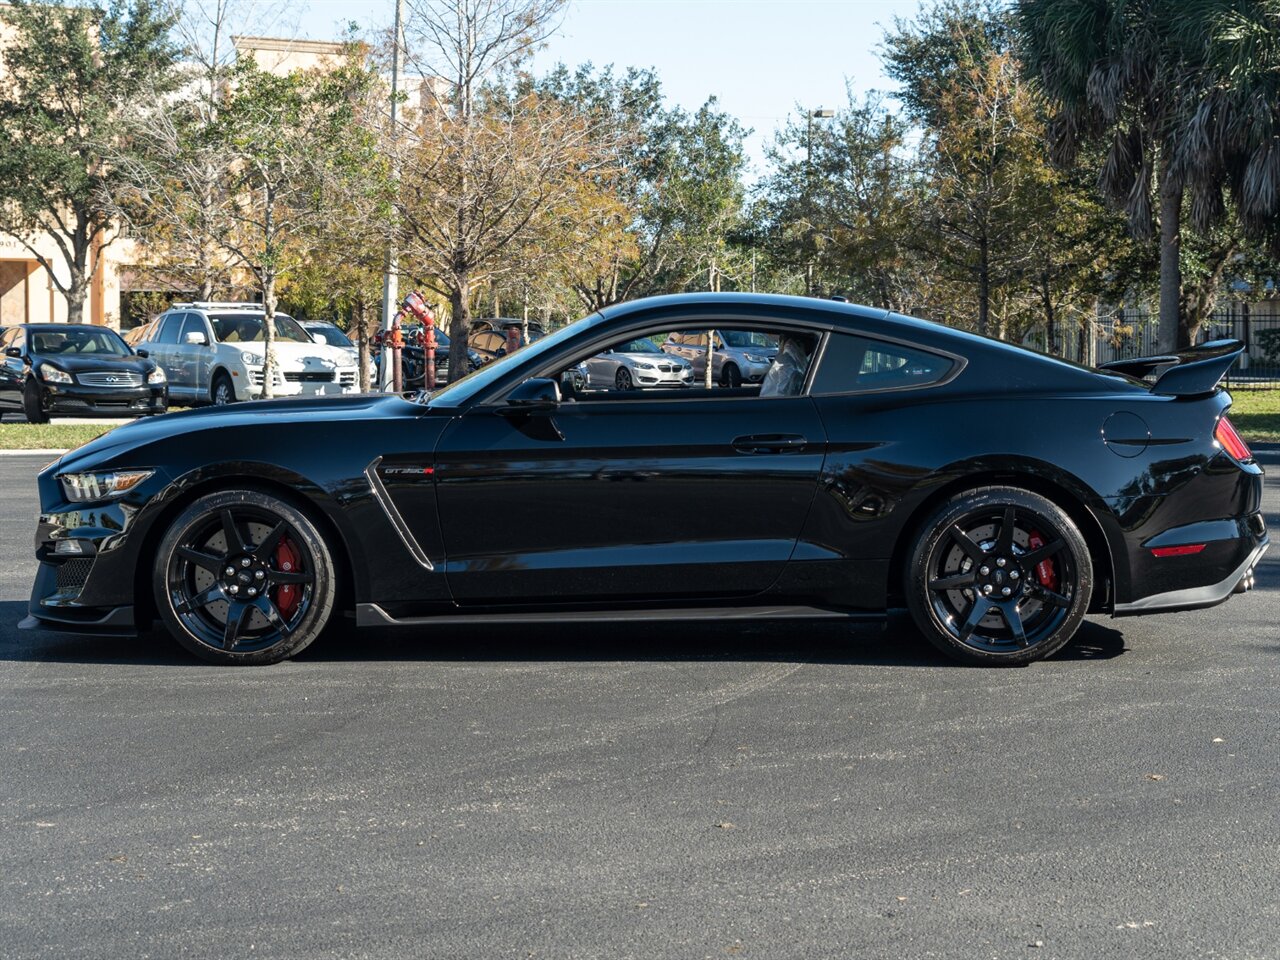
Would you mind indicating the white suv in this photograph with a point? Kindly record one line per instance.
(213, 353)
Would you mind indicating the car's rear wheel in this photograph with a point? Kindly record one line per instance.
(622, 379)
(244, 577)
(31, 403)
(731, 376)
(999, 575)
(222, 392)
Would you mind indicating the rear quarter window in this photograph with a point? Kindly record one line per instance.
(853, 364)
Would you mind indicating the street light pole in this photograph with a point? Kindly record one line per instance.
(390, 277)
(810, 115)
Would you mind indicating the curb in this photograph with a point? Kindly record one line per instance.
(33, 453)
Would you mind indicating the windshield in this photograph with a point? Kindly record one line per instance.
(748, 338)
(461, 390)
(637, 346)
(238, 328)
(78, 342)
(329, 335)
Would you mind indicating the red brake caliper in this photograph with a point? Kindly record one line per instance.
(287, 595)
(1047, 576)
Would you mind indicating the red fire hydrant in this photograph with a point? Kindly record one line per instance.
(415, 306)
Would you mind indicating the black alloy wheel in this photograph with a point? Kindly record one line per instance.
(622, 380)
(31, 405)
(223, 392)
(999, 575)
(244, 577)
(731, 376)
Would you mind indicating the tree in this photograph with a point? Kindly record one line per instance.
(1120, 73)
(70, 75)
(982, 153)
(292, 136)
(840, 198)
(488, 170)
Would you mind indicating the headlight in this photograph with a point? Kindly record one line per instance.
(50, 374)
(752, 359)
(156, 376)
(85, 487)
(640, 365)
(250, 359)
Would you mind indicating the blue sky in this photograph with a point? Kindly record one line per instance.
(760, 58)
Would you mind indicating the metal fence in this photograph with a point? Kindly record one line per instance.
(1127, 332)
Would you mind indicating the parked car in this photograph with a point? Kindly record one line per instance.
(214, 353)
(738, 356)
(322, 331)
(75, 369)
(882, 461)
(138, 334)
(637, 363)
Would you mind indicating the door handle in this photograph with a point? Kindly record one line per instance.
(770, 443)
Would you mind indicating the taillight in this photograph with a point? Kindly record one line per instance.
(1231, 442)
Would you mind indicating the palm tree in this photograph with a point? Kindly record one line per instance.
(1119, 72)
(1231, 140)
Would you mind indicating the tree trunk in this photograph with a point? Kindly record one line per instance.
(269, 335)
(1050, 317)
(1170, 268)
(984, 288)
(362, 341)
(459, 326)
(76, 293)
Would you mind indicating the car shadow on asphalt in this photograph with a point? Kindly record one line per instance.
(896, 644)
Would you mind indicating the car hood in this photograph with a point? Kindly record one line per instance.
(268, 415)
(76, 363)
(653, 358)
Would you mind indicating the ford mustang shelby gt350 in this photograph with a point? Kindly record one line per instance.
(999, 494)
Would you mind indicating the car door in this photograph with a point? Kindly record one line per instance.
(675, 499)
(161, 349)
(13, 370)
(197, 359)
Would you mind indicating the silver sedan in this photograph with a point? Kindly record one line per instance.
(637, 364)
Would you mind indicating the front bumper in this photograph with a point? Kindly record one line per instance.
(300, 383)
(91, 591)
(660, 379)
(75, 400)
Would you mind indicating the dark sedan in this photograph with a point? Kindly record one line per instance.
(997, 493)
(73, 369)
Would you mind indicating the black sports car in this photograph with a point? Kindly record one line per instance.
(76, 369)
(998, 493)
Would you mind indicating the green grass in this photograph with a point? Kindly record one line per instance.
(1256, 414)
(47, 436)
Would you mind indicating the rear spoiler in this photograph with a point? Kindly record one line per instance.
(1185, 374)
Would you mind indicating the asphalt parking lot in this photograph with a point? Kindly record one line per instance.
(774, 791)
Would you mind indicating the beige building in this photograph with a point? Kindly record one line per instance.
(28, 293)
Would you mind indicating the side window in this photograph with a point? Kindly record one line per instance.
(770, 363)
(169, 326)
(852, 364)
(194, 323)
(6, 338)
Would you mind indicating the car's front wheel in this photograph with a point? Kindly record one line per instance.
(31, 404)
(223, 391)
(622, 380)
(999, 575)
(244, 577)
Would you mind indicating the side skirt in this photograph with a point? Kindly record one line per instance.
(372, 615)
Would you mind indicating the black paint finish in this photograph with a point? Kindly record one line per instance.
(467, 505)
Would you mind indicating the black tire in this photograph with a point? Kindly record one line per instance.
(278, 606)
(999, 576)
(622, 379)
(222, 391)
(31, 403)
(731, 376)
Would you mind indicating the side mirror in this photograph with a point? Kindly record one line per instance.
(142, 353)
(537, 395)
(15, 352)
(196, 338)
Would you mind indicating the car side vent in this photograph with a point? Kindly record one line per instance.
(72, 575)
